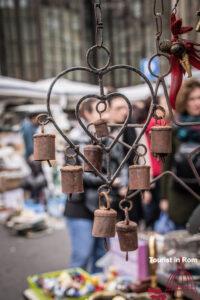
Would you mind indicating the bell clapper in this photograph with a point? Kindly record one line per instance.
(49, 163)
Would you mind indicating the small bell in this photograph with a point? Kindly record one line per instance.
(101, 128)
(127, 234)
(161, 141)
(139, 177)
(44, 147)
(198, 23)
(72, 179)
(104, 219)
(94, 154)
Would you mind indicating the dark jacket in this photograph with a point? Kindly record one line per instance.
(181, 202)
(28, 129)
(83, 205)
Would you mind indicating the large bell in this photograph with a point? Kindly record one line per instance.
(72, 179)
(104, 219)
(139, 177)
(94, 154)
(161, 140)
(44, 147)
(127, 234)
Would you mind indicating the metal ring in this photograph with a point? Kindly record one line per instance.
(89, 125)
(108, 200)
(104, 109)
(70, 156)
(105, 188)
(150, 61)
(141, 154)
(46, 118)
(130, 203)
(159, 107)
(89, 52)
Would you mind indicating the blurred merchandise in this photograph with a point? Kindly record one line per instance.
(27, 221)
(66, 284)
(13, 169)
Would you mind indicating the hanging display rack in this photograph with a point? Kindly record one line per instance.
(139, 176)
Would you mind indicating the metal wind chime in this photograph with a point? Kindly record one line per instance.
(179, 54)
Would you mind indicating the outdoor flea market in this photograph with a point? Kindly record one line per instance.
(100, 150)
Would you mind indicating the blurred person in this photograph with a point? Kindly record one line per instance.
(29, 127)
(85, 249)
(185, 139)
(151, 198)
(118, 113)
(164, 224)
(118, 110)
(36, 182)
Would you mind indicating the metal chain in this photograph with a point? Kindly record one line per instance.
(155, 10)
(175, 6)
(99, 23)
(158, 20)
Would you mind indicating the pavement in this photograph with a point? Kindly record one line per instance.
(21, 257)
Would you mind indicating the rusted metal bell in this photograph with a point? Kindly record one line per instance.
(161, 140)
(94, 154)
(127, 234)
(104, 219)
(44, 146)
(101, 128)
(72, 179)
(139, 177)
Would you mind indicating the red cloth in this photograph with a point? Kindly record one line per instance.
(155, 163)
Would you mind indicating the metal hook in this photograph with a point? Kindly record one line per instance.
(175, 7)
(157, 12)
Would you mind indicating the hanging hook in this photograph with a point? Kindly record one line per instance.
(99, 23)
(174, 9)
(158, 12)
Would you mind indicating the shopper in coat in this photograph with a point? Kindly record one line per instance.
(85, 249)
(185, 139)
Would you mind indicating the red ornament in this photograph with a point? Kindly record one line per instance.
(183, 54)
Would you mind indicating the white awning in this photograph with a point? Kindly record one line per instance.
(68, 87)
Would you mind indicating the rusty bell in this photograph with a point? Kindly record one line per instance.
(101, 128)
(94, 154)
(44, 146)
(139, 177)
(127, 235)
(104, 219)
(72, 179)
(161, 140)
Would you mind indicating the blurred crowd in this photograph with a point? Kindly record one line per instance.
(167, 206)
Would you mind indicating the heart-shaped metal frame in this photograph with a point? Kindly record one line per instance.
(102, 97)
(100, 73)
